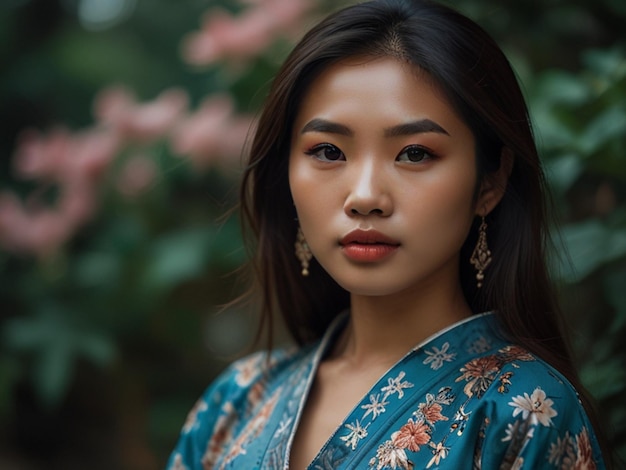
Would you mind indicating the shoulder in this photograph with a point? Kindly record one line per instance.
(532, 414)
(232, 389)
(223, 406)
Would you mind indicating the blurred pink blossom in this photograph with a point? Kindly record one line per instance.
(74, 164)
(77, 203)
(116, 107)
(212, 133)
(225, 36)
(61, 156)
(89, 154)
(32, 230)
(40, 157)
(137, 175)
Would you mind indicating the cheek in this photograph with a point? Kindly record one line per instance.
(445, 207)
(312, 193)
(299, 184)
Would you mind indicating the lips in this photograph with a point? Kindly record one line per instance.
(367, 246)
(367, 237)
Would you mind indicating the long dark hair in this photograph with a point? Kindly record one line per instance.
(478, 81)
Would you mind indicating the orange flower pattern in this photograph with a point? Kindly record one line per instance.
(463, 400)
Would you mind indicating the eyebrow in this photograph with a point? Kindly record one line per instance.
(415, 127)
(327, 127)
(420, 126)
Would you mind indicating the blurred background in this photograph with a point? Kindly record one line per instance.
(122, 126)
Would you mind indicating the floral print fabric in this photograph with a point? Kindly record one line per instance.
(464, 399)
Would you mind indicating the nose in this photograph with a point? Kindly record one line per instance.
(369, 191)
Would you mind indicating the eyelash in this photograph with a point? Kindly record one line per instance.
(317, 150)
(425, 153)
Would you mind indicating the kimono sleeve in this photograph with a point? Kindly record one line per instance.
(209, 424)
(540, 424)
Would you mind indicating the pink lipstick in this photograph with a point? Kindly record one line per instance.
(368, 246)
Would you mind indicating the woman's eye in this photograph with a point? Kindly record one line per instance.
(326, 153)
(414, 154)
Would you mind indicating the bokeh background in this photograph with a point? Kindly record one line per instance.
(122, 128)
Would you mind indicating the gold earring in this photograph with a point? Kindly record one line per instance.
(481, 256)
(303, 252)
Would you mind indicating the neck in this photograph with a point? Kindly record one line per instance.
(383, 329)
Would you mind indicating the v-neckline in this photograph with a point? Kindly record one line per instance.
(321, 352)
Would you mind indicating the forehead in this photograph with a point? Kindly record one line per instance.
(381, 90)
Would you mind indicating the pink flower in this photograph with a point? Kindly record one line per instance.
(212, 133)
(89, 155)
(222, 35)
(136, 175)
(77, 203)
(287, 14)
(411, 436)
(432, 412)
(13, 221)
(38, 231)
(117, 107)
(41, 230)
(73, 164)
(61, 156)
(40, 157)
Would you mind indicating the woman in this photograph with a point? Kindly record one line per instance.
(395, 155)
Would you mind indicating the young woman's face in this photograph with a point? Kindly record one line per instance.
(382, 173)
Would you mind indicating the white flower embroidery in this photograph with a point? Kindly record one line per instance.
(375, 407)
(439, 452)
(561, 448)
(192, 418)
(437, 356)
(396, 386)
(357, 432)
(178, 464)
(248, 370)
(537, 406)
(518, 430)
(390, 456)
(283, 426)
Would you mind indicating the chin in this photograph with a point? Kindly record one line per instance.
(370, 288)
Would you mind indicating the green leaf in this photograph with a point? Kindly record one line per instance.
(96, 347)
(606, 63)
(178, 257)
(557, 86)
(55, 341)
(609, 125)
(562, 172)
(52, 372)
(551, 132)
(97, 269)
(590, 244)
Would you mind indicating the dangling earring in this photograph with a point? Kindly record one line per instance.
(303, 252)
(481, 256)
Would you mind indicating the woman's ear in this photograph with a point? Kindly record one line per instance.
(494, 184)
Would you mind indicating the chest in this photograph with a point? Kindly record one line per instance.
(331, 399)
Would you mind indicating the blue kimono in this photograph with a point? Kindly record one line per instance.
(462, 399)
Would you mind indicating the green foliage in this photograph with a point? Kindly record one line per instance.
(125, 303)
(581, 122)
